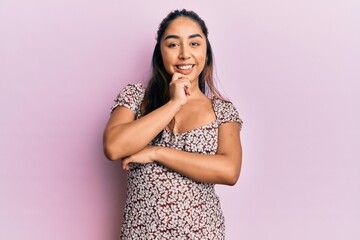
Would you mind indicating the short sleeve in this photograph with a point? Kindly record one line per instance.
(130, 96)
(226, 112)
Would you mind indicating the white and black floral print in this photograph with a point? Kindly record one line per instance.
(162, 204)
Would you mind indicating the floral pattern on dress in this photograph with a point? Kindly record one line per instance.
(163, 204)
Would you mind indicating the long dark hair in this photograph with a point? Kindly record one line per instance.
(157, 91)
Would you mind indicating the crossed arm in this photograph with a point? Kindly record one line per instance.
(127, 139)
(220, 168)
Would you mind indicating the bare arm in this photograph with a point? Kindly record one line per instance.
(123, 135)
(222, 168)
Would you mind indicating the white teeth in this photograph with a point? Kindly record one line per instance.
(185, 67)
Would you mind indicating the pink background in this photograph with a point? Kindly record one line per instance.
(290, 67)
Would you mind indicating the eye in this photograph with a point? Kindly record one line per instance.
(194, 44)
(173, 45)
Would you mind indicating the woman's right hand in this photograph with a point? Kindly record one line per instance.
(180, 88)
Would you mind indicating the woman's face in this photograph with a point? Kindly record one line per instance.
(183, 48)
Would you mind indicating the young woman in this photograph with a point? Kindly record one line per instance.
(175, 141)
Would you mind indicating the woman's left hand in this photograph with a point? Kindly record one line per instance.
(146, 155)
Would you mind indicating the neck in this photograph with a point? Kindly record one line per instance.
(195, 90)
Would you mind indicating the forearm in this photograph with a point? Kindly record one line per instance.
(127, 138)
(217, 169)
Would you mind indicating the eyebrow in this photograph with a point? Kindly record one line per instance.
(177, 37)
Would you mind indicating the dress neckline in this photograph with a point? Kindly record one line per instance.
(213, 98)
(213, 103)
(192, 130)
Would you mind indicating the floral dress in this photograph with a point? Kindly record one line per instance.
(163, 204)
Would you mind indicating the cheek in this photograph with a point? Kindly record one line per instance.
(167, 62)
(166, 57)
(202, 55)
(202, 58)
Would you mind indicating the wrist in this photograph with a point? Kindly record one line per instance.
(175, 104)
(156, 153)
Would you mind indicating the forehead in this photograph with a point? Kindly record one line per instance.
(183, 27)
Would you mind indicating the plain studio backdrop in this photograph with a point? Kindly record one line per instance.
(292, 69)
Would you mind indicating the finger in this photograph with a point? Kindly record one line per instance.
(125, 166)
(187, 86)
(178, 76)
(125, 163)
(188, 91)
(182, 81)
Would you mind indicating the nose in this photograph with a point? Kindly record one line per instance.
(184, 53)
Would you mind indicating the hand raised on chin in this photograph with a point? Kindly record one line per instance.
(180, 88)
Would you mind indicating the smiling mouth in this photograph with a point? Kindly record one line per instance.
(185, 67)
